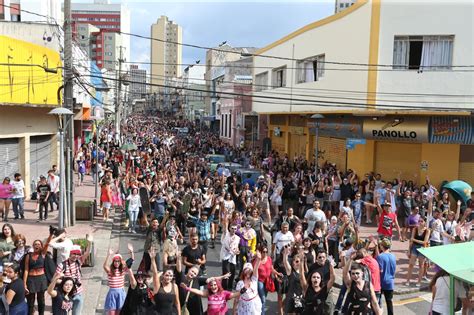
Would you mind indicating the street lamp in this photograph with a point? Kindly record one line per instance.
(253, 114)
(61, 114)
(317, 118)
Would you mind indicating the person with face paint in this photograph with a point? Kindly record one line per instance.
(34, 276)
(61, 294)
(216, 296)
(249, 302)
(165, 291)
(139, 295)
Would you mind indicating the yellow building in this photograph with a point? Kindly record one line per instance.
(30, 77)
(383, 73)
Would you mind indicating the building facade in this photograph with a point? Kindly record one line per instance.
(28, 136)
(166, 52)
(105, 43)
(216, 60)
(138, 84)
(390, 92)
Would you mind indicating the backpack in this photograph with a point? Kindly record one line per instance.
(75, 277)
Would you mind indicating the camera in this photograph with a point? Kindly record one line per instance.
(53, 230)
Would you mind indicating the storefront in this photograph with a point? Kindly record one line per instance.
(411, 147)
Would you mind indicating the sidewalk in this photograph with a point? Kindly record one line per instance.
(399, 249)
(101, 231)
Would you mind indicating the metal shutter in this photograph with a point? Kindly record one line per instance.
(393, 157)
(9, 160)
(40, 156)
(331, 150)
(297, 146)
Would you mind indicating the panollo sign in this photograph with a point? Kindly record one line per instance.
(404, 129)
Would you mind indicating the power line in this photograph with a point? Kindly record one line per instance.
(333, 90)
(249, 54)
(306, 102)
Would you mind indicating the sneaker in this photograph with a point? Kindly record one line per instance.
(417, 285)
(212, 245)
(129, 230)
(407, 284)
(425, 278)
(15, 218)
(36, 211)
(368, 221)
(22, 216)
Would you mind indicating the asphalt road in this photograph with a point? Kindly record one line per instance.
(417, 303)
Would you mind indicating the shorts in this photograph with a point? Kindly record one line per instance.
(107, 205)
(433, 243)
(6, 198)
(115, 299)
(414, 251)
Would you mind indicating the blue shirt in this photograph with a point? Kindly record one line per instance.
(387, 264)
(203, 227)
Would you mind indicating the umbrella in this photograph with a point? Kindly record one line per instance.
(460, 189)
(128, 147)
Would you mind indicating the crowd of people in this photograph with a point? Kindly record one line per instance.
(181, 208)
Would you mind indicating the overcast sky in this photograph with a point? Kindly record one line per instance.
(240, 23)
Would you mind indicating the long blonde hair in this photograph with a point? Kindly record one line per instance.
(170, 247)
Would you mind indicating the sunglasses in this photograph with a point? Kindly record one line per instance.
(355, 273)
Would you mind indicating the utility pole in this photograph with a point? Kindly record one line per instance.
(119, 92)
(70, 214)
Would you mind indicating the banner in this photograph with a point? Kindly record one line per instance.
(448, 129)
(405, 129)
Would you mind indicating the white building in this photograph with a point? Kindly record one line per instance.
(138, 84)
(385, 72)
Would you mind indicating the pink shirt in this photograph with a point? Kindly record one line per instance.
(6, 190)
(217, 303)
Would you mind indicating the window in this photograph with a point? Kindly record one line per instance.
(108, 53)
(261, 81)
(311, 69)
(423, 52)
(279, 77)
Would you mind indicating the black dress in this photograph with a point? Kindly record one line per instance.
(137, 302)
(359, 300)
(164, 302)
(294, 298)
(314, 301)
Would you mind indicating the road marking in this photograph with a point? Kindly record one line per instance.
(408, 301)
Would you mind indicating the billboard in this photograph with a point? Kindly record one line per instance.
(23, 79)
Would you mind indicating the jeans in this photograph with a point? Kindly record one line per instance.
(204, 248)
(388, 299)
(77, 303)
(133, 219)
(340, 299)
(18, 207)
(53, 199)
(20, 309)
(43, 209)
(227, 266)
(262, 293)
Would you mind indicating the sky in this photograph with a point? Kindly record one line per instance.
(240, 23)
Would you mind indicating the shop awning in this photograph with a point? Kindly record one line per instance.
(455, 259)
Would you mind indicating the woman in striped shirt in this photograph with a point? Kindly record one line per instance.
(116, 278)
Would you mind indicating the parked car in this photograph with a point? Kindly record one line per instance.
(248, 175)
(214, 160)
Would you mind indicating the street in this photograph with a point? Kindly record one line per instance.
(406, 304)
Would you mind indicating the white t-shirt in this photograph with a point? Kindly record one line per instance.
(312, 216)
(63, 249)
(281, 240)
(441, 302)
(20, 188)
(437, 228)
